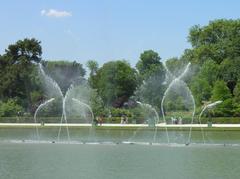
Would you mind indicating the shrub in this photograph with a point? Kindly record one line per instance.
(118, 112)
(9, 108)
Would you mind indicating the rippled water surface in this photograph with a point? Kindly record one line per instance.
(118, 154)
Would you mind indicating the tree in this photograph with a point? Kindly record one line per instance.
(93, 67)
(148, 63)
(116, 82)
(236, 99)
(236, 93)
(209, 71)
(216, 47)
(65, 73)
(152, 89)
(151, 78)
(10, 108)
(220, 91)
(230, 72)
(28, 48)
(201, 90)
(175, 65)
(219, 40)
(18, 69)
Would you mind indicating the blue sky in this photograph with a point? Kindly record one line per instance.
(108, 29)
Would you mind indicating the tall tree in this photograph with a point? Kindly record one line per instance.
(175, 65)
(220, 91)
(230, 72)
(219, 40)
(116, 82)
(201, 90)
(148, 63)
(152, 89)
(65, 72)
(152, 76)
(17, 69)
(236, 93)
(93, 67)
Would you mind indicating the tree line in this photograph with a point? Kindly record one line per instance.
(214, 75)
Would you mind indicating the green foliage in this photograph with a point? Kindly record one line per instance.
(17, 71)
(216, 48)
(178, 98)
(135, 115)
(152, 89)
(65, 73)
(116, 82)
(176, 66)
(236, 93)
(10, 108)
(222, 120)
(97, 104)
(230, 72)
(30, 49)
(220, 91)
(176, 104)
(201, 90)
(118, 112)
(148, 63)
(236, 100)
(209, 71)
(215, 57)
(93, 67)
(226, 108)
(53, 109)
(152, 72)
(219, 40)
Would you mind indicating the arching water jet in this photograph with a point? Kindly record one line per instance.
(156, 115)
(208, 106)
(84, 104)
(35, 114)
(172, 83)
(57, 89)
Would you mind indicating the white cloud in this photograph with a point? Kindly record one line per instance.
(55, 13)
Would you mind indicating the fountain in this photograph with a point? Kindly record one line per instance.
(64, 115)
(55, 91)
(84, 104)
(208, 106)
(36, 112)
(72, 96)
(56, 88)
(156, 119)
(181, 82)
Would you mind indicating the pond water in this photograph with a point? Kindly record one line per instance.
(115, 158)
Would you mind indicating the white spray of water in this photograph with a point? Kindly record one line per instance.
(84, 104)
(36, 112)
(173, 82)
(145, 105)
(50, 81)
(64, 115)
(55, 85)
(209, 106)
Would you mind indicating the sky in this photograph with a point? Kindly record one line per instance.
(105, 30)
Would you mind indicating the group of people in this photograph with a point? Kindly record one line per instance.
(124, 119)
(176, 120)
(99, 120)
